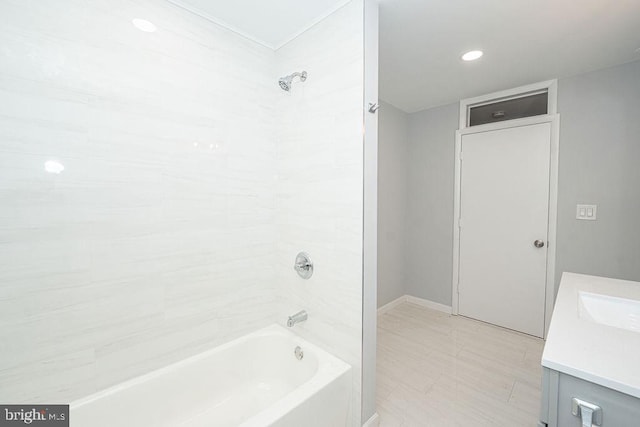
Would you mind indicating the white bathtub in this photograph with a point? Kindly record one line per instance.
(253, 381)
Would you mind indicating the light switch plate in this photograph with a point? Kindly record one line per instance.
(586, 212)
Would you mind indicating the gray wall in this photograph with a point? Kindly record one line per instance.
(392, 202)
(599, 164)
(429, 241)
(599, 156)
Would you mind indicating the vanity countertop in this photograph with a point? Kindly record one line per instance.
(581, 345)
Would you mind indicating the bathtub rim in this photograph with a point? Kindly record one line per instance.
(330, 368)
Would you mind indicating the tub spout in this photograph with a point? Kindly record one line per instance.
(300, 316)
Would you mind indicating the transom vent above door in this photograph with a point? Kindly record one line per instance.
(515, 108)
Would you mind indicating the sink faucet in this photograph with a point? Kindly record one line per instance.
(300, 316)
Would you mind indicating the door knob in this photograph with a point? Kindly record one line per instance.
(538, 243)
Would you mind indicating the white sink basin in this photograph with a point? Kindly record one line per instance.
(595, 332)
(617, 312)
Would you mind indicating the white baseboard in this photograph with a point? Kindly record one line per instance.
(374, 421)
(429, 304)
(414, 300)
(390, 305)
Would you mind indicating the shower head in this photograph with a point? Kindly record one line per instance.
(285, 82)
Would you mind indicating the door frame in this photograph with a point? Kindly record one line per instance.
(554, 120)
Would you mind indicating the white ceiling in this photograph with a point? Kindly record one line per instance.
(271, 23)
(421, 41)
(524, 41)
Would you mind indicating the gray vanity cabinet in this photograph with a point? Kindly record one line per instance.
(558, 390)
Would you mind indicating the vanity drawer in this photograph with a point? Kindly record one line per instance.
(618, 409)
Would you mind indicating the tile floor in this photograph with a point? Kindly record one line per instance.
(440, 370)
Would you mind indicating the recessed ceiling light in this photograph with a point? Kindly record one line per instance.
(472, 55)
(144, 25)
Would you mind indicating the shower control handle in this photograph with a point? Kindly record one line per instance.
(303, 265)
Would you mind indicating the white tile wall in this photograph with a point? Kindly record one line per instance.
(157, 239)
(191, 181)
(320, 186)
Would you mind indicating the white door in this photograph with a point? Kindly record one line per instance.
(504, 218)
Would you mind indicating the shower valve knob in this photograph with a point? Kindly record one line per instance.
(303, 265)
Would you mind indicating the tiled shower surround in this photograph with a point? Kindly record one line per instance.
(190, 182)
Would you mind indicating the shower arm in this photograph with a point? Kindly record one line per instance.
(302, 75)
